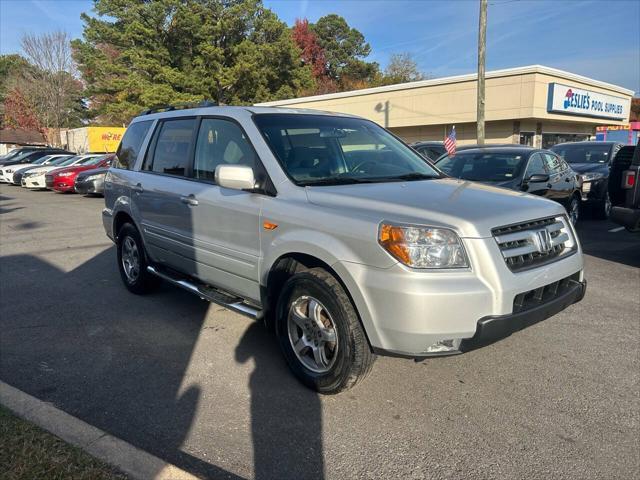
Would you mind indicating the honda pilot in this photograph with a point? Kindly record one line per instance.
(333, 232)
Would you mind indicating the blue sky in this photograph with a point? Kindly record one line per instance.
(599, 39)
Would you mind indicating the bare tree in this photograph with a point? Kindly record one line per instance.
(53, 81)
(402, 68)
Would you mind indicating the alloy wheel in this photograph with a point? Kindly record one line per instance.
(130, 259)
(574, 210)
(607, 205)
(312, 334)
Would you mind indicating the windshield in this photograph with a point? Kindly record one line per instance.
(59, 160)
(483, 166)
(586, 153)
(92, 160)
(14, 154)
(40, 161)
(67, 161)
(328, 150)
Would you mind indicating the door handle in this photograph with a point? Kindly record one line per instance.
(189, 200)
(137, 188)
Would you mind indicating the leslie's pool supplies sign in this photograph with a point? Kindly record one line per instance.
(577, 101)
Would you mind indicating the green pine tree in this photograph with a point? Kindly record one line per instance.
(135, 54)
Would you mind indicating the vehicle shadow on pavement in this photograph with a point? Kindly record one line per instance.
(284, 427)
(8, 208)
(117, 361)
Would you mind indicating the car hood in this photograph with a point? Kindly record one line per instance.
(511, 184)
(94, 171)
(72, 169)
(45, 169)
(590, 167)
(15, 167)
(472, 209)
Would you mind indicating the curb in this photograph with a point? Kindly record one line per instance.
(130, 460)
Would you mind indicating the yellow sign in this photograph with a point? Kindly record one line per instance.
(104, 139)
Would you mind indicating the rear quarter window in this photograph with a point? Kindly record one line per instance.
(130, 145)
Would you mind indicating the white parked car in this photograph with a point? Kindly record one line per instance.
(35, 178)
(7, 172)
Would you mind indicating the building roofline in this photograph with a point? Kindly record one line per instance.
(453, 79)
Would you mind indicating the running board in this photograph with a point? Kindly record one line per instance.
(211, 294)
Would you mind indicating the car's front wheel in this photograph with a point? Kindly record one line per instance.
(320, 334)
(574, 209)
(603, 209)
(132, 261)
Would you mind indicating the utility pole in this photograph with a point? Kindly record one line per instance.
(482, 42)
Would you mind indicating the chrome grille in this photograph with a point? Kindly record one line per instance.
(535, 243)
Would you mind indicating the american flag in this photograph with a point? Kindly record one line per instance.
(450, 142)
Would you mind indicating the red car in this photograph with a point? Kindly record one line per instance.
(63, 179)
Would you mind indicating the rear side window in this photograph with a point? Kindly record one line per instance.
(554, 164)
(130, 145)
(171, 147)
(220, 142)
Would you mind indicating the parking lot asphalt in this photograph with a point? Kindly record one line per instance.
(208, 390)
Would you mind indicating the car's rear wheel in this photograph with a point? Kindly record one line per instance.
(132, 261)
(320, 334)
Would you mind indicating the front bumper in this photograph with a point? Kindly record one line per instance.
(89, 187)
(627, 217)
(17, 178)
(406, 312)
(493, 328)
(37, 182)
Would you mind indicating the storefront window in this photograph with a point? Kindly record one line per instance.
(526, 138)
(551, 139)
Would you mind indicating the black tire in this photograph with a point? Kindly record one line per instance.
(353, 357)
(142, 282)
(574, 203)
(602, 210)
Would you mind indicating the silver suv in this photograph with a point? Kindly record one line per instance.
(334, 233)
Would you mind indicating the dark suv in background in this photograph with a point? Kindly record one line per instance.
(592, 160)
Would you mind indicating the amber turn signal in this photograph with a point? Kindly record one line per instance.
(269, 225)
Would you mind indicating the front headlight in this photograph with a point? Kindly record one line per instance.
(418, 246)
(93, 178)
(29, 174)
(65, 174)
(8, 171)
(590, 177)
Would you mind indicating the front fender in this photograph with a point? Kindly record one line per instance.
(338, 255)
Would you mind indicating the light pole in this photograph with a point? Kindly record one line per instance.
(482, 41)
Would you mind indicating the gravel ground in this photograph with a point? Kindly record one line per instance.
(207, 389)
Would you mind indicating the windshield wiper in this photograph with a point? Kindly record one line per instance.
(406, 177)
(352, 180)
(415, 176)
(336, 181)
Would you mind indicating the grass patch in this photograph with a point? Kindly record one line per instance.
(28, 452)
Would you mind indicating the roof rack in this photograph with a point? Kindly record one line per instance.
(178, 106)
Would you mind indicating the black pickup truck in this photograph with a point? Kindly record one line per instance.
(624, 188)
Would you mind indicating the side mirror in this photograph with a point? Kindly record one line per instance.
(537, 178)
(237, 177)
